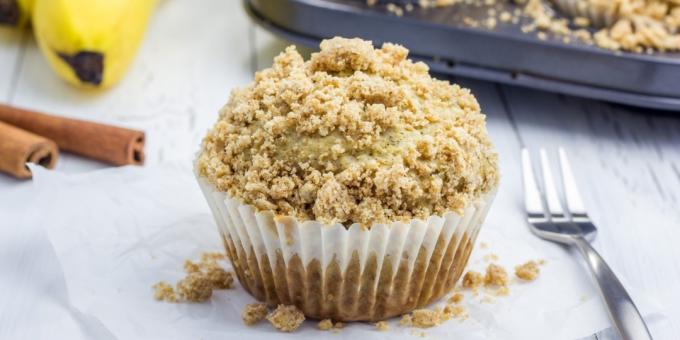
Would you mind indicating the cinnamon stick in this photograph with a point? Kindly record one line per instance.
(111, 144)
(18, 147)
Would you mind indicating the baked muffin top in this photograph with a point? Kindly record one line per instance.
(353, 135)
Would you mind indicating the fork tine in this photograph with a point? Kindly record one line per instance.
(554, 204)
(532, 196)
(574, 201)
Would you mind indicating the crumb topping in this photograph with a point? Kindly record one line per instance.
(353, 135)
(286, 318)
(254, 313)
(640, 26)
(528, 271)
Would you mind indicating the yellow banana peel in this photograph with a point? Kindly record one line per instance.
(90, 43)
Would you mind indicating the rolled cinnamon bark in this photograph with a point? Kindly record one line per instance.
(18, 147)
(111, 144)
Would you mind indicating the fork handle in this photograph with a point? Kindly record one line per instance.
(625, 316)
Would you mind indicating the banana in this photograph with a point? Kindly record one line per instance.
(15, 12)
(90, 43)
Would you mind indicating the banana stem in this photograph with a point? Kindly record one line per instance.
(88, 66)
(9, 12)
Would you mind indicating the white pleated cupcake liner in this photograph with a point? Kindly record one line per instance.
(347, 274)
(598, 16)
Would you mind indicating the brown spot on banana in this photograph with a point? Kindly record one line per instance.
(87, 65)
(9, 12)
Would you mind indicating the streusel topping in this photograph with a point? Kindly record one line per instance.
(353, 135)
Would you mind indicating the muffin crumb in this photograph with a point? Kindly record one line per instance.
(164, 292)
(195, 287)
(528, 271)
(201, 279)
(382, 326)
(210, 257)
(328, 325)
(421, 318)
(456, 298)
(495, 276)
(325, 325)
(220, 278)
(472, 280)
(454, 311)
(191, 267)
(406, 320)
(254, 313)
(503, 291)
(286, 318)
(490, 257)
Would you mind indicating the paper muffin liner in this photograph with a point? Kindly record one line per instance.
(598, 15)
(345, 274)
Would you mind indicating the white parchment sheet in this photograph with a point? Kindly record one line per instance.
(116, 232)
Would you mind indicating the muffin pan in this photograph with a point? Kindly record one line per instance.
(503, 54)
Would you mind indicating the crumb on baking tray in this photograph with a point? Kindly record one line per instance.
(254, 313)
(639, 26)
(286, 318)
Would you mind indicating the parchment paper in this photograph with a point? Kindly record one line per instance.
(116, 232)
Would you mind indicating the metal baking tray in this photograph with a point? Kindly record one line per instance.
(504, 54)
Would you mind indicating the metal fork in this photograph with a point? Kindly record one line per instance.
(574, 228)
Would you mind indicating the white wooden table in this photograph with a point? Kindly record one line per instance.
(627, 161)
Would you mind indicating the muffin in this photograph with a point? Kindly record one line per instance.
(351, 185)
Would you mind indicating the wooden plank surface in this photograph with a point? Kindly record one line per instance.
(12, 42)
